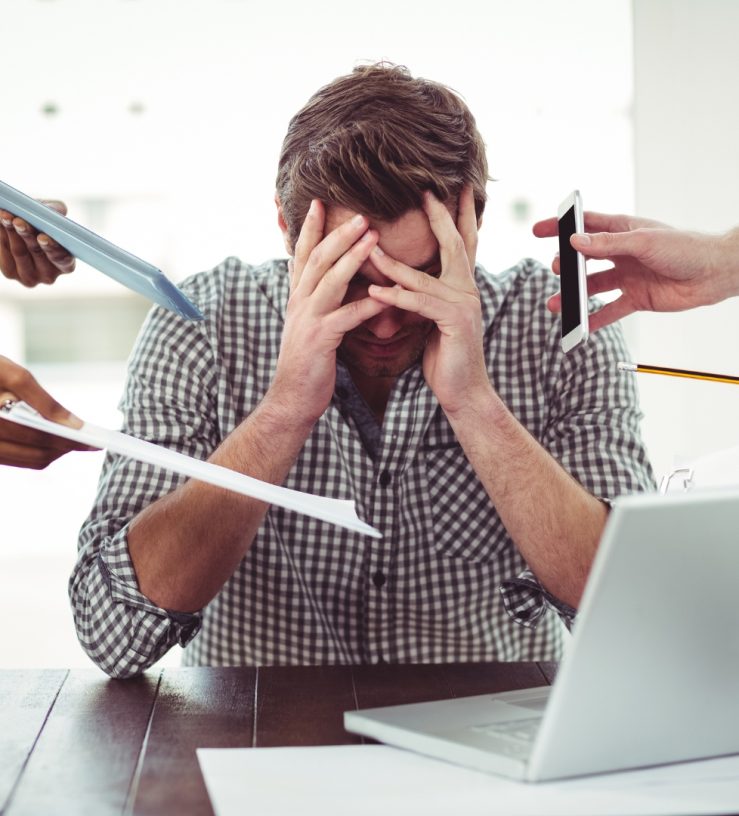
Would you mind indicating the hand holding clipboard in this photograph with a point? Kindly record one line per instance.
(111, 260)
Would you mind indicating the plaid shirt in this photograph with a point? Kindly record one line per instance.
(445, 583)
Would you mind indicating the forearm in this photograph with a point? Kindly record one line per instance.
(186, 545)
(555, 523)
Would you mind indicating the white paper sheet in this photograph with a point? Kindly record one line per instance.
(366, 780)
(336, 511)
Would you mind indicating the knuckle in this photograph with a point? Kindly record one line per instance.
(356, 308)
(317, 255)
(456, 243)
(18, 378)
(424, 281)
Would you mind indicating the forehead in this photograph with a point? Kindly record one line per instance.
(408, 239)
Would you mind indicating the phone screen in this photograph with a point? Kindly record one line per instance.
(568, 273)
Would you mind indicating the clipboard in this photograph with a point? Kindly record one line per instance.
(335, 511)
(111, 260)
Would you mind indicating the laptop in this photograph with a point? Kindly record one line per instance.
(650, 677)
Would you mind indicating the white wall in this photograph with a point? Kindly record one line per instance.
(686, 137)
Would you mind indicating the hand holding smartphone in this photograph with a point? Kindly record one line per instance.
(573, 285)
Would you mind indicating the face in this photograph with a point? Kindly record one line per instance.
(389, 343)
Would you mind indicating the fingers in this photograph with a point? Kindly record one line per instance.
(11, 433)
(453, 249)
(333, 284)
(342, 247)
(596, 222)
(612, 244)
(467, 223)
(351, 315)
(414, 291)
(18, 383)
(605, 281)
(56, 255)
(600, 222)
(7, 264)
(28, 448)
(36, 458)
(610, 313)
(420, 303)
(30, 257)
(408, 277)
(598, 282)
(546, 229)
(554, 304)
(311, 234)
(55, 204)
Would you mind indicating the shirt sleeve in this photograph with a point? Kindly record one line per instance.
(167, 400)
(526, 601)
(592, 429)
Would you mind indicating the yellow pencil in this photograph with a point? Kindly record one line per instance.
(678, 372)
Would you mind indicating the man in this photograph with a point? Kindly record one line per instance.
(30, 259)
(657, 268)
(379, 364)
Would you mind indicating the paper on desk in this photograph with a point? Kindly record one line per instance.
(364, 780)
(336, 511)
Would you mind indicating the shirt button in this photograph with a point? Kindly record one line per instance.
(378, 578)
(385, 478)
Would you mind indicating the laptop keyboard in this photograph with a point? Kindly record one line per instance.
(522, 731)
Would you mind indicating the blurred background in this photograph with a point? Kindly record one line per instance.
(159, 123)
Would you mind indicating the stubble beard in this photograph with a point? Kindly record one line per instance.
(372, 367)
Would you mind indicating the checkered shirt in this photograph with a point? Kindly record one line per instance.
(445, 583)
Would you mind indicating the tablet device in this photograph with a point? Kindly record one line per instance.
(111, 260)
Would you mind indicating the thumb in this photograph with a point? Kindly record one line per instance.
(609, 244)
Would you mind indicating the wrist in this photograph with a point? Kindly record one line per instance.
(725, 261)
(283, 412)
(481, 404)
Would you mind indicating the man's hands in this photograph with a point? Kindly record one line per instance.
(657, 268)
(25, 447)
(316, 320)
(453, 362)
(30, 257)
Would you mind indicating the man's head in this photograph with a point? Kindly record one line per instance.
(372, 141)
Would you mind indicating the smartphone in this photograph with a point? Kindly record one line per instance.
(573, 285)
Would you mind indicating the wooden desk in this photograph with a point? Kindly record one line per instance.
(75, 742)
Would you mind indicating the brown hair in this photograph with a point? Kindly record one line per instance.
(372, 141)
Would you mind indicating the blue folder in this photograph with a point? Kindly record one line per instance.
(108, 258)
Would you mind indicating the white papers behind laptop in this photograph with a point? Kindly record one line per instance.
(719, 469)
